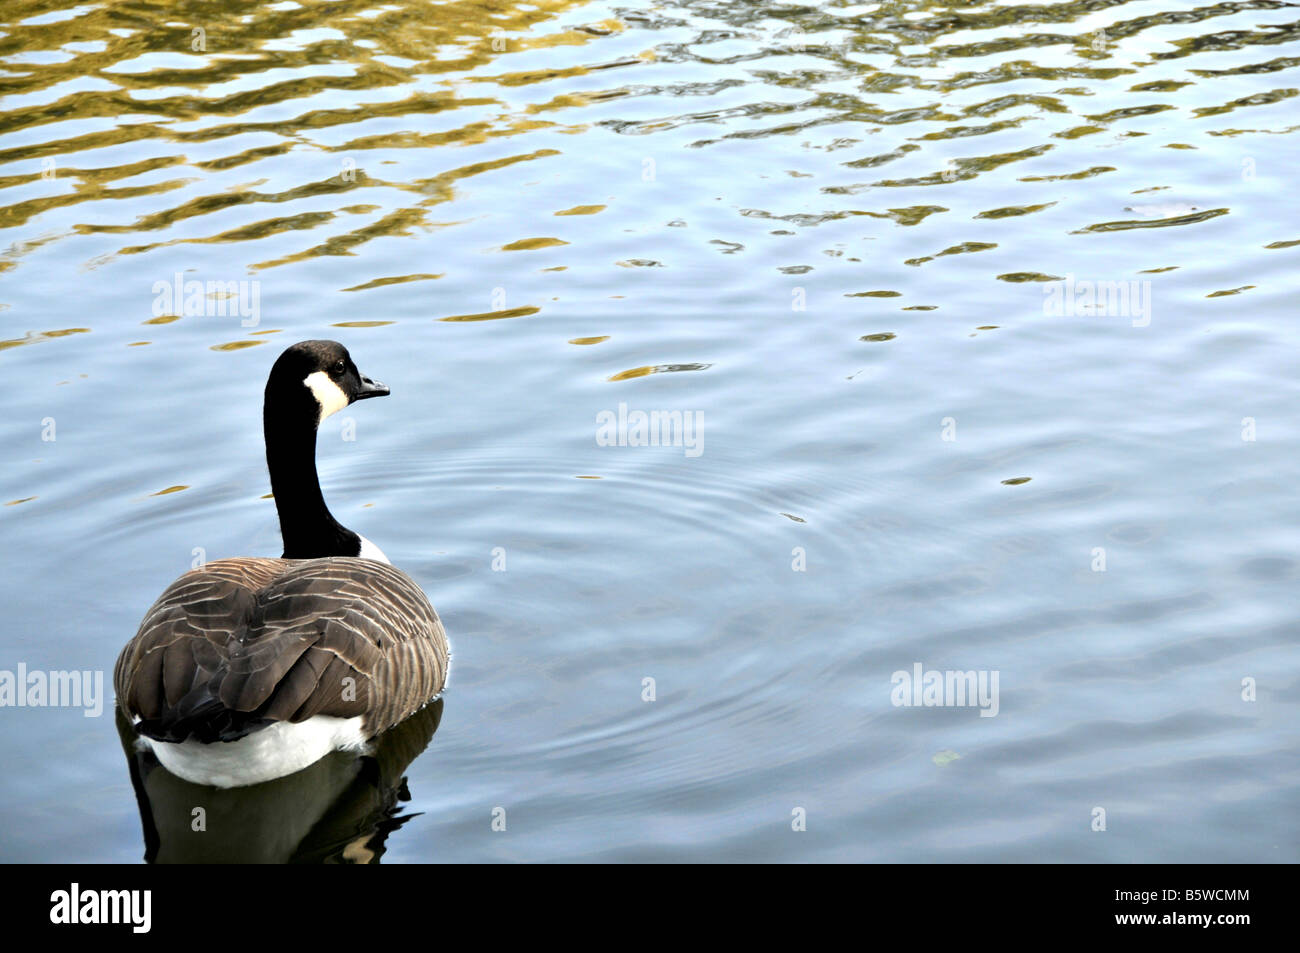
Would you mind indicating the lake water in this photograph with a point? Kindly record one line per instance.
(982, 316)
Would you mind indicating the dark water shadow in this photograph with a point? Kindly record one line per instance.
(339, 810)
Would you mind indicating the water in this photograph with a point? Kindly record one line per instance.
(832, 235)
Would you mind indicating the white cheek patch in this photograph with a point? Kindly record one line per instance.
(328, 394)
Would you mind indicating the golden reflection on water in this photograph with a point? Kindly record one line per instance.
(109, 74)
(297, 131)
(494, 315)
(170, 489)
(33, 337)
(656, 369)
(395, 280)
(235, 345)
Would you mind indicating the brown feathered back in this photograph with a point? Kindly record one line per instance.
(242, 643)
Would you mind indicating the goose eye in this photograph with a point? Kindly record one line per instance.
(339, 368)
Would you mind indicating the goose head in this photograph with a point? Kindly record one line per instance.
(313, 379)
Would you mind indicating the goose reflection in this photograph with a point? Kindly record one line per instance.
(339, 810)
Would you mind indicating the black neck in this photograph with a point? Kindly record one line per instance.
(308, 528)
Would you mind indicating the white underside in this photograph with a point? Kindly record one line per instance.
(370, 551)
(266, 754)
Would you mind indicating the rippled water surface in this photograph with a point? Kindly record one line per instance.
(854, 241)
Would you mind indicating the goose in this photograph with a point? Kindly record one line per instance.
(249, 669)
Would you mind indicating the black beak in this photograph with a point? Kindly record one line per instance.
(370, 388)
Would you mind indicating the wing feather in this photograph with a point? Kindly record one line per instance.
(241, 643)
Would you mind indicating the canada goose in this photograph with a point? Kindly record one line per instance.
(250, 669)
